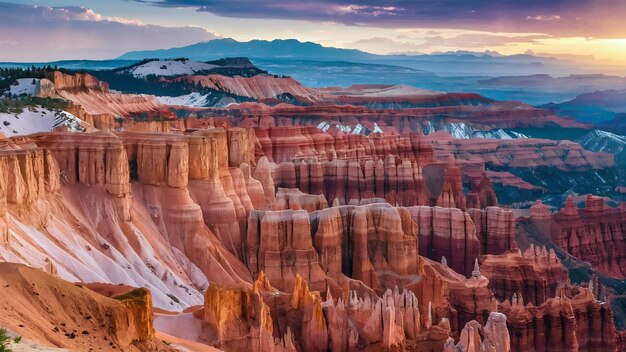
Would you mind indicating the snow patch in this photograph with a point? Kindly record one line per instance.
(76, 260)
(603, 141)
(460, 130)
(191, 100)
(24, 86)
(324, 126)
(169, 68)
(37, 119)
(343, 128)
(517, 134)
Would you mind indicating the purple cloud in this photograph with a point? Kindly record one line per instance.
(588, 18)
(34, 33)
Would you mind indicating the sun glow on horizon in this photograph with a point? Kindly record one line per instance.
(371, 38)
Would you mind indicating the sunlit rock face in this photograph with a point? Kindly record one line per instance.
(94, 96)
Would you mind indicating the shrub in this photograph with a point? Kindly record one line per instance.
(4, 340)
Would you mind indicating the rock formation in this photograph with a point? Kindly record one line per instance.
(237, 319)
(362, 232)
(94, 97)
(481, 194)
(280, 244)
(258, 87)
(596, 234)
(533, 276)
(578, 323)
(495, 228)
(496, 336)
(61, 314)
(204, 211)
(449, 233)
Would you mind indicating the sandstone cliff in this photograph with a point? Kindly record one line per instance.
(596, 234)
(566, 323)
(57, 313)
(94, 97)
(362, 232)
(258, 87)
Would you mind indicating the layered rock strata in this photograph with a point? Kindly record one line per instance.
(596, 234)
(576, 322)
(94, 97)
(533, 275)
(61, 314)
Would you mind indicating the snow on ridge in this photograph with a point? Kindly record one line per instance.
(603, 141)
(517, 134)
(24, 86)
(169, 68)
(458, 130)
(193, 100)
(34, 120)
(606, 134)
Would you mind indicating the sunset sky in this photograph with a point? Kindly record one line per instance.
(44, 30)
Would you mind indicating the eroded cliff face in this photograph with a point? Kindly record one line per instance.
(119, 201)
(264, 318)
(534, 285)
(358, 169)
(98, 104)
(449, 233)
(258, 87)
(495, 229)
(57, 313)
(237, 319)
(565, 156)
(481, 194)
(356, 241)
(496, 336)
(533, 275)
(573, 321)
(101, 122)
(402, 113)
(28, 175)
(360, 255)
(595, 234)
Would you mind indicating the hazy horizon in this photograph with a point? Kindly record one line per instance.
(51, 30)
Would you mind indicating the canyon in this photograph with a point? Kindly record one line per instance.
(334, 224)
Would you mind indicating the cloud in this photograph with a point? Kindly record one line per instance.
(427, 41)
(366, 10)
(476, 41)
(586, 18)
(544, 18)
(38, 33)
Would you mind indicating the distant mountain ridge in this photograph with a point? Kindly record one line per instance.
(454, 63)
(295, 49)
(219, 48)
(598, 106)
